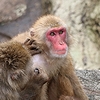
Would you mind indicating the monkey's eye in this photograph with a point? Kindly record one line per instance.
(52, 34)
(61, 32)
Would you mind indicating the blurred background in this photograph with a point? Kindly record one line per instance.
(81, 16)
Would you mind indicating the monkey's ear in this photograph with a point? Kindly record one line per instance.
(31, 31)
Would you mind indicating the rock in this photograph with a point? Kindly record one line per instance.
(83, 19)
(23, 23)
(84, 22)
(91, 83)
(46, 6)
(11, 9)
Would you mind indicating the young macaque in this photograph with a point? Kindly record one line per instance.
(51, 35)
(16, 70)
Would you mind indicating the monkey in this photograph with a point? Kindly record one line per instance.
(33, 89)
(51, 35)
(17, 69)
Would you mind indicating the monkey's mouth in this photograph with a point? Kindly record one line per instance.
(60, 52)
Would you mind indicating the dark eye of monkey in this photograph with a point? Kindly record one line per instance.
(52, 34)
(61, 32)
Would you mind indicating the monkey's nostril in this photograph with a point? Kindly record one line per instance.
(61, 42)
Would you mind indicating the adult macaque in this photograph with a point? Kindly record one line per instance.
(51, 34)
(16, 70)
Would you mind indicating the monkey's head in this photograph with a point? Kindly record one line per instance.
(13, 64)
(51, 33)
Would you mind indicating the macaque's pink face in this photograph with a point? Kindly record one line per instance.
(57, 39)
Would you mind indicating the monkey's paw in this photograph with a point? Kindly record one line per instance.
(32, 46)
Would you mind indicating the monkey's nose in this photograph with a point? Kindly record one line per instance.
(61, 42)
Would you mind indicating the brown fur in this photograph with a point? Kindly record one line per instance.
(21, 37)
(63, 80)
(15, 72)
(63, 83)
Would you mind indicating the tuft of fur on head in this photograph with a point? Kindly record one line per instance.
(44, 23)
(13, 61)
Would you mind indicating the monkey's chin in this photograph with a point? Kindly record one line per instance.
(58, 54)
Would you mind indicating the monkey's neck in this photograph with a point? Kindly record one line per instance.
(53, 64)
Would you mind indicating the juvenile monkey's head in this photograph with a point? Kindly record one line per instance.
(13, 63)
(51, 33)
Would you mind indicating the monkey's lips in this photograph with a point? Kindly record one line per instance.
(60, 52)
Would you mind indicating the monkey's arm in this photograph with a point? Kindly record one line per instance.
(66, 98)
(32, 46)
(70, 86)
(69, 82)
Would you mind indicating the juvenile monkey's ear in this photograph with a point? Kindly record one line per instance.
(31, 31)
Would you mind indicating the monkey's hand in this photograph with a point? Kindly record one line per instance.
(32, 46)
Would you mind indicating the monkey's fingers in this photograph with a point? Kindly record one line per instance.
(34, 47)
(34, 52)
(29, 42)
(26, 41)
(31, 45)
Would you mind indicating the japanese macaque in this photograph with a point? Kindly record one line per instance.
(16, 70)
(51, 35)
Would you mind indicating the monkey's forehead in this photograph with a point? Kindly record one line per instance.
(49, 21)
